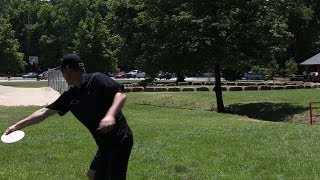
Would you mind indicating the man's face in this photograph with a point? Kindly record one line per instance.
(66, 74)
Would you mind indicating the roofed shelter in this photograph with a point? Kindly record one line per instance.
(313, 62)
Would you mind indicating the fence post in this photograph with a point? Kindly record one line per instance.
(310, 113)
(56, 81)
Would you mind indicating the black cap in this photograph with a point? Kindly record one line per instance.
(72, 61)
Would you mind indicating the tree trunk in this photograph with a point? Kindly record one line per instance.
(217, 88)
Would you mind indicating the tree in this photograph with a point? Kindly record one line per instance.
(272, 69)
(11, 58)
(51, 37)
(190, 36)
(23, 16)
(1, 7)
(59, 22)
(96, 44)
(291, 67)
(303, 23)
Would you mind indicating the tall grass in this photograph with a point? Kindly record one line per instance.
(179, 136)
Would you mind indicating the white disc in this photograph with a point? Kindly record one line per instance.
(12, 137)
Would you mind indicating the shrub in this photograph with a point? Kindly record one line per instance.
(235, 88)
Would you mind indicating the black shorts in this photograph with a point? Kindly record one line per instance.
(111, 163)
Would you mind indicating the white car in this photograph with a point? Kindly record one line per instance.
(313, 73)
(30, 75)
(43, 75)
(136, 74)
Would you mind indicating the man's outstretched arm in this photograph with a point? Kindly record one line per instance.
(34, 118)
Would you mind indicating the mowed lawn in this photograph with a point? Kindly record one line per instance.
(30, 83)
(180, 136)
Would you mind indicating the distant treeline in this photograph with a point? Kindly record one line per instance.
(180, 36)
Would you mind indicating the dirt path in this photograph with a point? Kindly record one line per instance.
(12, 96)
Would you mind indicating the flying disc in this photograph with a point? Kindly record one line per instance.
(12, 137)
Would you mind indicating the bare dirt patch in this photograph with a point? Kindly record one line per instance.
(12, 96)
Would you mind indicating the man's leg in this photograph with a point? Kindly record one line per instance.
(98, 164)
(117, 161)
(112, 162)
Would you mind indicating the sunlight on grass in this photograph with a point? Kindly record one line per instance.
(278, 105)
(176, 140)
(193, 145)
(26, 84)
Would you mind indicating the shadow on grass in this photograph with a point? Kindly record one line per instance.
(266, 111)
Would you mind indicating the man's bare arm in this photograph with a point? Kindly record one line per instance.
(109, 120)
(34, 118)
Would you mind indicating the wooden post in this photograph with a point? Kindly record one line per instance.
(318, 75)
(310, 113)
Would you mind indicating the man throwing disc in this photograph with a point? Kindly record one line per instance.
(96, 101)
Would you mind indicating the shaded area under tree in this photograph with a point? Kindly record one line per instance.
(266, 111)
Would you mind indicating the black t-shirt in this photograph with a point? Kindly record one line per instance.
(90, 103)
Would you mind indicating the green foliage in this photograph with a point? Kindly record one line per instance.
(191, 36)
(22, 15)
(303, 22)
(273, 69)
(11, 58)
(176, 36)
(236, 33)
(97, 45)
(1, 7)
(259, 69)
(49, 30)
(291, 67)
(232, 74)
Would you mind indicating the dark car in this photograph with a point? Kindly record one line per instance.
(254, 76)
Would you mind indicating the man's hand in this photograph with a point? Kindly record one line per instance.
(106, 124)
(11, 129)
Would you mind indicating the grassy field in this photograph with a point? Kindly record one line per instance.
(180, 136)
(27, 84)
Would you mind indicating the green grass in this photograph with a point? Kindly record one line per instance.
(178, 136)
(270, 105)
(190, 145)
(27, 84)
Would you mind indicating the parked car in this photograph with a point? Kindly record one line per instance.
(121, 74)
(43, 75)
(251, 75)
(313, 73)
(164, 75)
(312, 76)
(21, 74)
(136, 74)
(30, 75)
